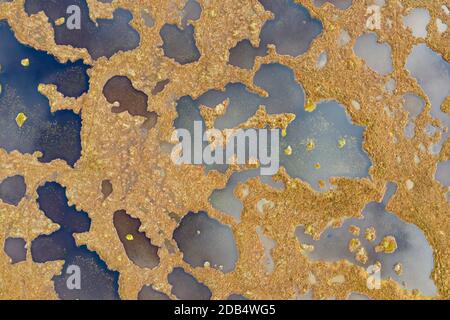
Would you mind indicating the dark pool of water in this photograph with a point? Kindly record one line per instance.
(120, 92)
(203, 239)
(433, 74)
(56, 135)
(119, 89)
(293, 28)
(413, 251)
(107, 188)
(226, 201)
(291, 31)
(103, 38)
(325, 126)
(138, 247)
(159, 87)
(179, 44)
(16, 249)
(12, 190)
(148, 293)
(377, 55)
(52, 201)
(243, 55)
(191, 11)
(97, 281)
(186, 287)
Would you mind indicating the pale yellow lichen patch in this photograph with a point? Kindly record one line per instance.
(288, 151)
(398, 268)
(20, 119)
(312, 279)
(307, 247)
(361, 255)
(370, 234)
(310, 145)
(309, 230)
(25, 62)
(354, 230)
(60, 21)
(354, 244)
(129, 237)
(387, 245)
(310, 106)
(409, 184)
(322, 184)
(341, 143)
(356, 105)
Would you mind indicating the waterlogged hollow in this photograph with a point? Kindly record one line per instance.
(138, 247)
(186, 287)
(120, 92)
(291, 31)
(376, 55)
(52, 201)
(417, 20)
(148, 293)
(206, 242)
(12, 190)
(414, 105)
(179, 44)
(413, 250)
(324, 142)
(268, 245)
(341, 4)
(443, 173)
(147, 17)
(433, 75)
(179, 41)
(285, 96)
(191, 12)
(95, 280)
(16, 249)
(26, 122)
(102, 38)
(243, 55)
(225, 199)
(107, 188)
